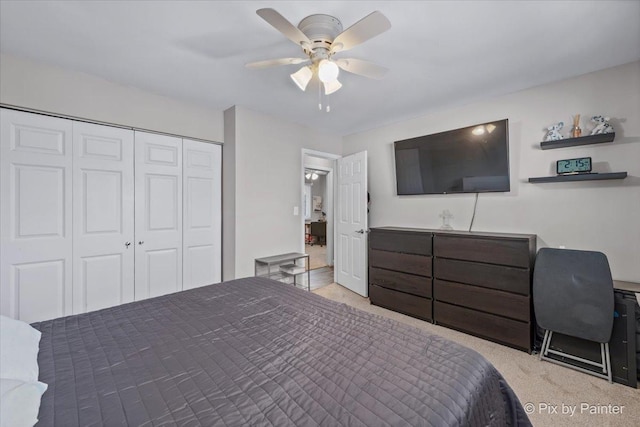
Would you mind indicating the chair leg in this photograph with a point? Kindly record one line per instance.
(605, 364)
(608, 372)
(545, 342)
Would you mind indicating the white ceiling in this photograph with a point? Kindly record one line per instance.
(439, 53)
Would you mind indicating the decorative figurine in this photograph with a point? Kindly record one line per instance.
(553, 133)
(602, 125)
(446, 215)
(576, 132)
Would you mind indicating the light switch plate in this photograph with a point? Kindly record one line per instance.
(295, 210)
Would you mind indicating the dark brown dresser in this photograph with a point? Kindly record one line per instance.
(479, 283)
(400, 265)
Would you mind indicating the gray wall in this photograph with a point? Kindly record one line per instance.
(267, 184)
(34, 85)
(593, 215)
(262, 160)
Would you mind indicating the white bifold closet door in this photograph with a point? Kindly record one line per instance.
(202, 175)
(158, 217)
(35, 216)
(103, 217)
(93, 216)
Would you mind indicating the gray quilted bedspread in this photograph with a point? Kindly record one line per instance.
(254, 352)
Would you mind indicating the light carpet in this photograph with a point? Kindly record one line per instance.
(553, 395)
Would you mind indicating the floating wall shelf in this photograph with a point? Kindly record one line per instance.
(583, 140)
(579, 177)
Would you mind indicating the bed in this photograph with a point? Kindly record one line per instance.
(258, 352)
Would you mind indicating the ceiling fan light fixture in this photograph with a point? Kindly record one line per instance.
(328, 71)
(302, 77)
(330, 87)
(321, 36)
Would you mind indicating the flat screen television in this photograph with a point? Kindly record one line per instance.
(473, 159)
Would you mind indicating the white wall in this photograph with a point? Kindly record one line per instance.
(317, 162)
(267, 171)
(593, 215)
(33, 85)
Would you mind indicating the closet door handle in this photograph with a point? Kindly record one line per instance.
(141, 242)
(127, 244)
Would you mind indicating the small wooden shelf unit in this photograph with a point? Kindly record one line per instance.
(579, 177)
(572, 142)
(583, 140)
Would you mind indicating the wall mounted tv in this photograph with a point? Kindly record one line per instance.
(473, 159)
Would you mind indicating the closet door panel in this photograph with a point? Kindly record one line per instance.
(202, 213)
(158, 214)
(103, 208)
(163, 266)
(35, 216)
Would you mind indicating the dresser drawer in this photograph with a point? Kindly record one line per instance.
(510, 279)
(488, 300)
(417, 285)
(408, 263)
(506, 331)
(401, 241)
(510, 252)
(399, 301)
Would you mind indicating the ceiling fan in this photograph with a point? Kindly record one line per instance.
(321, 37)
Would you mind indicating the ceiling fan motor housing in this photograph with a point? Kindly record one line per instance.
(321, 30)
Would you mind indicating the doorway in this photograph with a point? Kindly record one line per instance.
(317, 219)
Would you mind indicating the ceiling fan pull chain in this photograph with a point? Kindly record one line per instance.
(328, 107)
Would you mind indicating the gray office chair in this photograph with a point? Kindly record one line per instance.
(573, 295)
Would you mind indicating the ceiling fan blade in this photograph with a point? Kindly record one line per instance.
(281, 24)
(276, 62)
(363, 68)
(368, 27)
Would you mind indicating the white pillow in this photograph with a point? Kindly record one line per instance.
(19, 345)
(20, 402)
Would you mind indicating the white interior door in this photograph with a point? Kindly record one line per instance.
(35, 216)
(103, 251)
(158, 214)
(351, 223)
(202, 222)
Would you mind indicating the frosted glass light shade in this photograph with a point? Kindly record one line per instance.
(328, 71)
(302, 77)
(330, 87)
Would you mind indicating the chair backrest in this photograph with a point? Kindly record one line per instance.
(573, 293)
(319, 229)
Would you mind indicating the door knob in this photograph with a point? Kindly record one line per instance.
(141, 242)
(360, 231)
(127, 244)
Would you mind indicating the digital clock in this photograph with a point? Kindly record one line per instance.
(567, 166)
